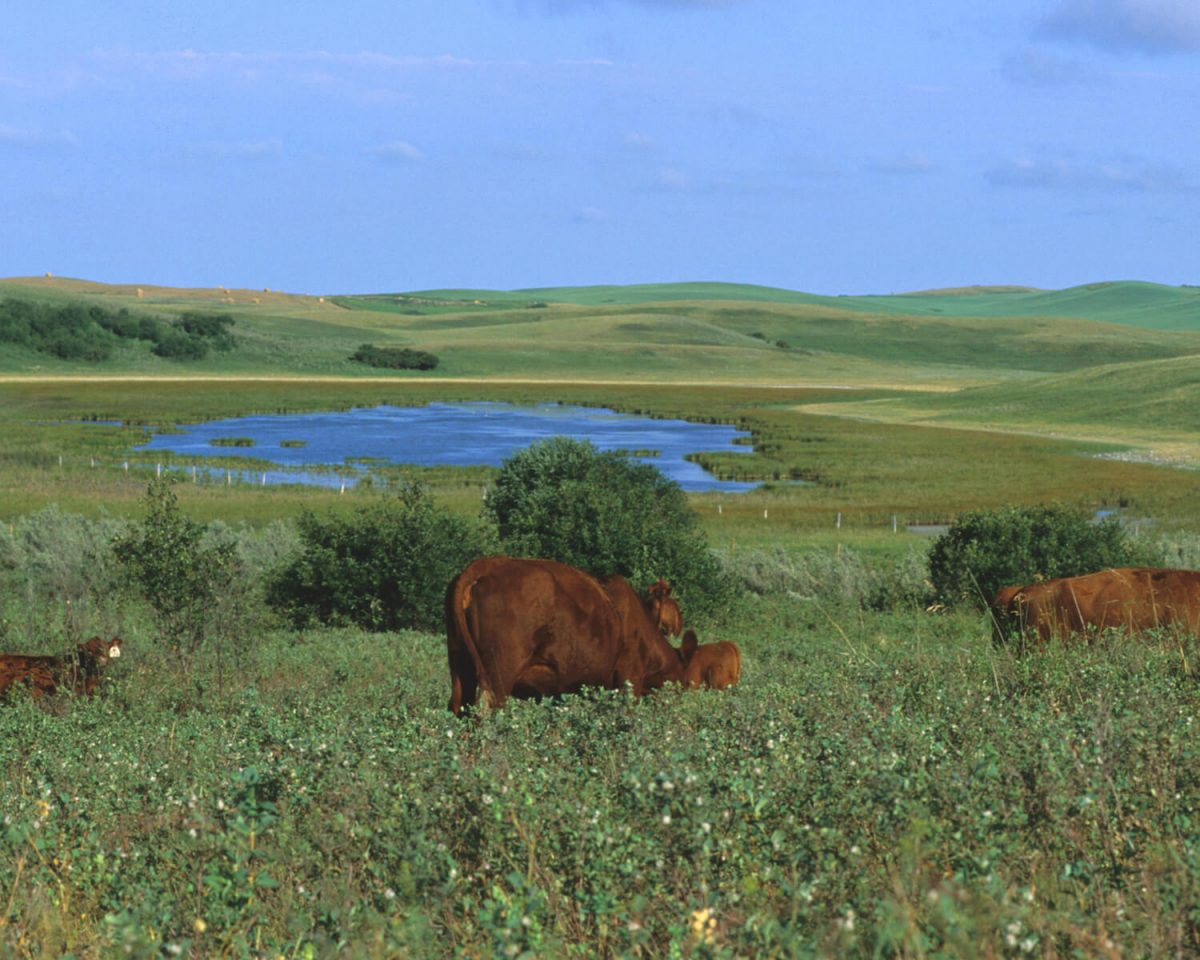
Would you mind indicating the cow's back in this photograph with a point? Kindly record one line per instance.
(714, 665)
(527, 627)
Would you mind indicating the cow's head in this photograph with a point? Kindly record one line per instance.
(102, 650)
(664, 611)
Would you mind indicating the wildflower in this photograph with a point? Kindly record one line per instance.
(703, 925)
(199, 926)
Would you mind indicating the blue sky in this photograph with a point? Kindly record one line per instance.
(854, 147)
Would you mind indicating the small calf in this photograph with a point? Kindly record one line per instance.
(78, 670)
(713, 665)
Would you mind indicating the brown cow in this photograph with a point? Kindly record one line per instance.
(78, 670)
(663, 609)
(1125, 598)
(714, 665)
(1001, 619)
(531, 628)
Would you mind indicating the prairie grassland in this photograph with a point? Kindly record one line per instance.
(877, 785)
(867, 472)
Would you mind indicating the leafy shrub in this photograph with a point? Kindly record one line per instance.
(76, 331)
(394, 358)
(564, 500)
(988, 549)
(178, 566)
(383, 568)
(212, 328)
(174, 344)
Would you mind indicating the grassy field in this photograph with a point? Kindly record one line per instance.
(883, 782)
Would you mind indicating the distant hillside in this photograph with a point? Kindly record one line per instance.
(1152, 403)
(1131, 303)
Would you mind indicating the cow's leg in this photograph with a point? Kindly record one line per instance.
(464, 684)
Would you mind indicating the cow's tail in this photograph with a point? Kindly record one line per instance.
(466, 667)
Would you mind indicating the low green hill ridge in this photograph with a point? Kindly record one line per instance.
(1131, 303)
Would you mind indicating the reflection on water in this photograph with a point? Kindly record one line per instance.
(446, 434)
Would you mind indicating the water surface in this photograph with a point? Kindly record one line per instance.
(449, 434)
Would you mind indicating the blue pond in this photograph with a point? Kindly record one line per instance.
(449, 434)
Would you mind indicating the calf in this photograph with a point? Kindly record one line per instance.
(79, 670)
(714, 665)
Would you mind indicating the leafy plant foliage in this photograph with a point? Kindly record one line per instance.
(394, 358)
(179, 571)
(384, 567)
(563, 499)
(988, 549)
(77, 331)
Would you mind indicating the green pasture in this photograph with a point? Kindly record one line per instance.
(1137, 304)
(877, 785)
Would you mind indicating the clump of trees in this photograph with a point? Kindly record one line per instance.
(394, 358)
(989, 549)
(90, 333)
(383, 567)
(565, 500)
(387, 565)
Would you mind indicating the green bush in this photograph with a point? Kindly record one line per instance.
(394, 358)
(564, 500)
(989, 549)
(385, 567)
(181, 569)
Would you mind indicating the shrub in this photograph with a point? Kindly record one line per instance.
(55, 563)
(988, 549)
(564, 500)
(180, 568)
(394, 358)
(385, 567)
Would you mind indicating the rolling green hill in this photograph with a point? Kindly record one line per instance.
(738, 333)
(1131, 303)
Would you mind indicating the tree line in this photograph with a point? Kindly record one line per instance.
(90, 333)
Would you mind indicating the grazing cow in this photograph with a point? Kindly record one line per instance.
(1126, 598)
(78, 670)
(663, 609)
(532, 628)
(714, 665)
(1001, 622)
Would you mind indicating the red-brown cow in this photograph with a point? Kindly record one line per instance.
(78, 670)
(1125, 598)
(531, 628)
(714, 665)
(663, 609)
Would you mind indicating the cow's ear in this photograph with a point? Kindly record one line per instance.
(689, 644)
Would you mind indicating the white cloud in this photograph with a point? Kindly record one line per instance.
(1120, 176)
(905, 165)
(1039, 68)
(246, 149)
(188, 64)
(1146, 26)
(590, 215)
(30, 137)
(399, 151)
(672, 180)
(568, 6)
(639, 141)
